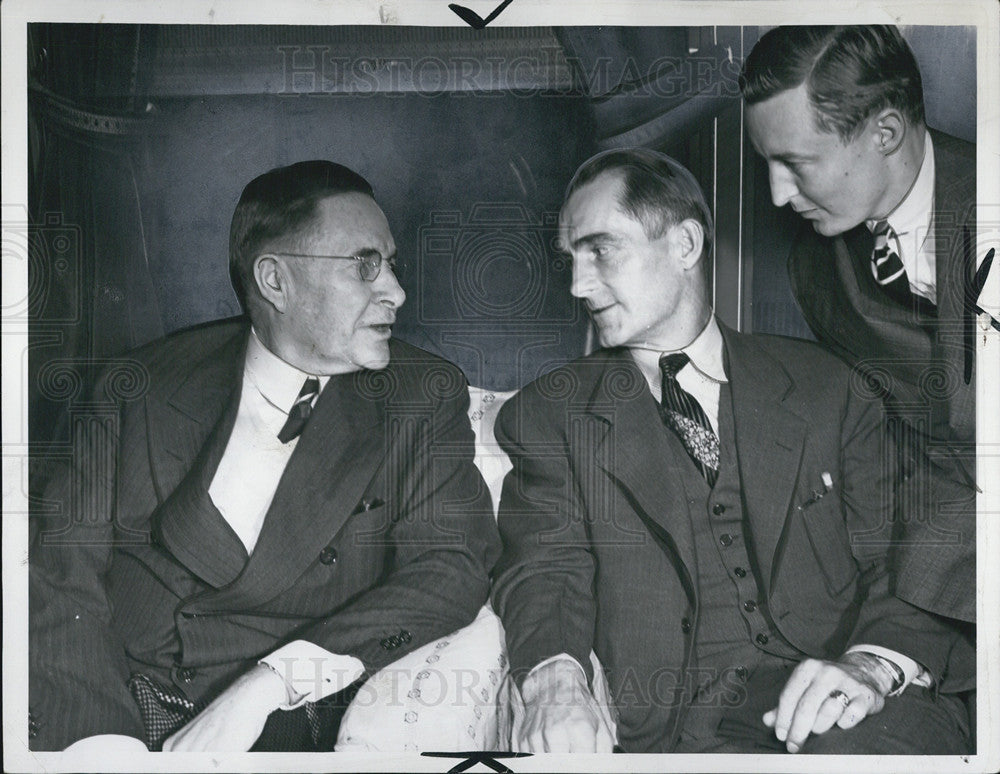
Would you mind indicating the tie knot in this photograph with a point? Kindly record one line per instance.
(882, 229)
(671, 364)
(310, 389)
(300, 411)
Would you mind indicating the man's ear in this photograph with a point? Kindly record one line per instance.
(271, 276)
(690, 239)
(888, 129)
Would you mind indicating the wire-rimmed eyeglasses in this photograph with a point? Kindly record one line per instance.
(369, 261)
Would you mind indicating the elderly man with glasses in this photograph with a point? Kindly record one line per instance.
(294, 504)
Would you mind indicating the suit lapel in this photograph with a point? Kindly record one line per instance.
(954, 226)
(832, 281)
(769, 440)
(181, 421)
(888, 329)
(188, 433)
(955, 259)
(634, 449)
(882, 315)
(334, 460)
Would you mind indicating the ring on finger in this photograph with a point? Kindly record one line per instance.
(840, 696)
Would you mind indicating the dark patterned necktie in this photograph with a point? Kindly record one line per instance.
(682, 414)
(887, 266)
(300, 412)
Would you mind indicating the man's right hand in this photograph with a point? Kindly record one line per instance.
(561, 715)
(236, 717)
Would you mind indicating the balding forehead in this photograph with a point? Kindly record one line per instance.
(349, 222)
(596, 198)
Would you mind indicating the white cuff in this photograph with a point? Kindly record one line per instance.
(912, 671)
(558, 657)
(312, 672)
(106, 743)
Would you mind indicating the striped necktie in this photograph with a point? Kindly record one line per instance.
(684, 415)
(887, 267)
(300, 412)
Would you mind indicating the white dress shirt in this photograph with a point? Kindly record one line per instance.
(254, 459)
(913, 222)
(242, 489)
(702, 377)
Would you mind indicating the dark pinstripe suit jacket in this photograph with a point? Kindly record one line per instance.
(379, 538)
(925, 362)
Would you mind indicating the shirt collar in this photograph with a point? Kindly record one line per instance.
(277, 381)
(912, 215)
(705, 352)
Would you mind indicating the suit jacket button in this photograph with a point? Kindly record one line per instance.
(762, 639)
(386, 644)
(740, 572)
(726, 539)
(685, 625)
(328, 555)
(718, 509)
(741, 672)
(187, 674)
(405, 636)
(749, 605)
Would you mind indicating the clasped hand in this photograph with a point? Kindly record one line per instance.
(560, 713)
(820, 694)
(236, 718)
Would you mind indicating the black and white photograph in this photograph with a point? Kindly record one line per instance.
(515, 385)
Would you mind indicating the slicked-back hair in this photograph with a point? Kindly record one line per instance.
(278, 203)
(657, 191)
(850, 72)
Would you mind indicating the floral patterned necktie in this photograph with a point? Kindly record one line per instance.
(682, 414)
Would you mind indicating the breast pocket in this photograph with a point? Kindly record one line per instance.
(827, 535)
(369, 526)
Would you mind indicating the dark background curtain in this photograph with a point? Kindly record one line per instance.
(142, 138)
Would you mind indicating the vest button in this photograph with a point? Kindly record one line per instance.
(740, 572)
(762, 639)
(741, 672)
(749, 605)
(726, 539)
(718, 509)
(328, 555)
(685, 625)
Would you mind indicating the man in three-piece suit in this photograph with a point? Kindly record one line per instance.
(290, 505)
(686, 503)
(883, 268)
